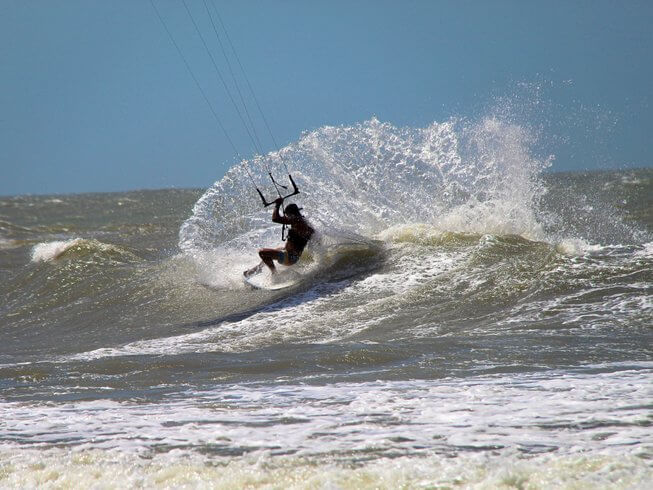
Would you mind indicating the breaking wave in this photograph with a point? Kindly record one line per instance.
(361, 180)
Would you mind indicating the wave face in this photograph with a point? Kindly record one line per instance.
(463, 318)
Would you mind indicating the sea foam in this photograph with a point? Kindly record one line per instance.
(60, 468)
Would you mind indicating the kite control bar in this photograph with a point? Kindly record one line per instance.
(277, 185)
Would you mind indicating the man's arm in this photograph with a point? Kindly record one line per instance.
(276, 217)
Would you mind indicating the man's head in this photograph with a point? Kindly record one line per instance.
(292, 210)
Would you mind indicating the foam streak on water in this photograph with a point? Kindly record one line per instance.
(592, 409)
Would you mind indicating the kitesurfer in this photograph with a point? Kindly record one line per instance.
(299, 234)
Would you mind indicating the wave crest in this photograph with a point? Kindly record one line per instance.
(79, 248)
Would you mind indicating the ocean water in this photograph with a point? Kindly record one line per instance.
(464, 318)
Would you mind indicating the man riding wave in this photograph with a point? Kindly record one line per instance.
(299, 234)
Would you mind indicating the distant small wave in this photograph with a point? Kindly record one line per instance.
(8, 243)
(77, 248)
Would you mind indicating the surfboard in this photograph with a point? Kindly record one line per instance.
(262, 279)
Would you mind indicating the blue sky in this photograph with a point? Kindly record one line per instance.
(94, 96)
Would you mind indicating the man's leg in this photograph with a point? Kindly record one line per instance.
(268, 255)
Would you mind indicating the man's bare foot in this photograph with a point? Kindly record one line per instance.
(254, 270)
